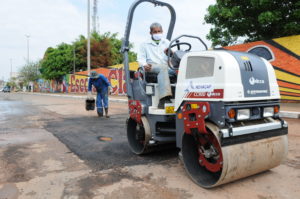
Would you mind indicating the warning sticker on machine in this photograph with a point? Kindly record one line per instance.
(216, 93)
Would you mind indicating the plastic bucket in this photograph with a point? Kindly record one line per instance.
(90, 104)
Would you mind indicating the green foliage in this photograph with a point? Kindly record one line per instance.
(12, 83)
(57, 62)
(29, 72)
(252, 20)
(105, 51)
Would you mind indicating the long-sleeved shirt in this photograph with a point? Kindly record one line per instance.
(101, 83)
(153, 53)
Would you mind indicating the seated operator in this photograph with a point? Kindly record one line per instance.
(152, 56)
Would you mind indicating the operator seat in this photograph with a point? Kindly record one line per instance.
(175, 61)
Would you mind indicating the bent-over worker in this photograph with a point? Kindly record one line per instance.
(102, 85)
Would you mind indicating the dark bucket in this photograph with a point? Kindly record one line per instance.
(90, 104)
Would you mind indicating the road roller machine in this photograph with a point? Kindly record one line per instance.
(224, 115)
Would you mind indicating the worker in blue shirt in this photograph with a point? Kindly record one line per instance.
(103, 87)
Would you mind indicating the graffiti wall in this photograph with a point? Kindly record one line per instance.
(79, 83)
(117, 80)
(50, 86)
(284, 54)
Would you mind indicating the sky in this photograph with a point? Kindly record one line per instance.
(51, 22)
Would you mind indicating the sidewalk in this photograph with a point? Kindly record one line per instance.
(112, 98)
(288, 110)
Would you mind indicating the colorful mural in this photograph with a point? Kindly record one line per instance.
(283, 53)
(78, 83)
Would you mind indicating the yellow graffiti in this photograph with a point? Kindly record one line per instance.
(77, 77)
(287, 77)
(292, 43)
(132, 66)
(114, 82)
(289, 90)
(289, 97)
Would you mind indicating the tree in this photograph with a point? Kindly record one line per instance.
(57, 62)
(29, 72)
(115, 45)
(105, 51)
(252, 20)
(12, 83)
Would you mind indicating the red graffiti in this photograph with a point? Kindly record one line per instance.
(79, 84)
(119, 75)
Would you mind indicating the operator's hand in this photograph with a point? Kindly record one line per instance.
(167, 50)
(109, 90)
(148, 67)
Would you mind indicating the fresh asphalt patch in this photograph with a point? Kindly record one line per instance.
(102, 142)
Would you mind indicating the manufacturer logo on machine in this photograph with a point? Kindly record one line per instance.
(255, 92)
(254, 81)
(199, 87)
(216, 93)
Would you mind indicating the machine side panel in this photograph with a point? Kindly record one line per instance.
(254, 74)
(138, 88)
(217, 113)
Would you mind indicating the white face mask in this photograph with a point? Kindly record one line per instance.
(157, 37)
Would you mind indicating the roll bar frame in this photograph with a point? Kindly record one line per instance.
(125, 44)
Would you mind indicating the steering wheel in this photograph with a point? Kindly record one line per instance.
(175, 42)
(181, 44)
(178, 44)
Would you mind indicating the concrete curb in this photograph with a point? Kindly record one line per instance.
(286, 114)
(290, 114)
(111, 99)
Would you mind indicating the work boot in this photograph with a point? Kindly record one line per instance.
(100, 112)
(162, 101)
(106, 113)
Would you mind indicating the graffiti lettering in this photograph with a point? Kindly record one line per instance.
(79, 83)
(117, 81)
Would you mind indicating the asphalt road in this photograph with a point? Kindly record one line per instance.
(50, 148)
(82, 136)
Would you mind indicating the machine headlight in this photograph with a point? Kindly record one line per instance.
(243, 114)
(268, 111)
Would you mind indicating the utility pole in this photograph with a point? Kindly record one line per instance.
(95, 16)
(28, 36)
(10, 68)
(89, 39)
(74, 60)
